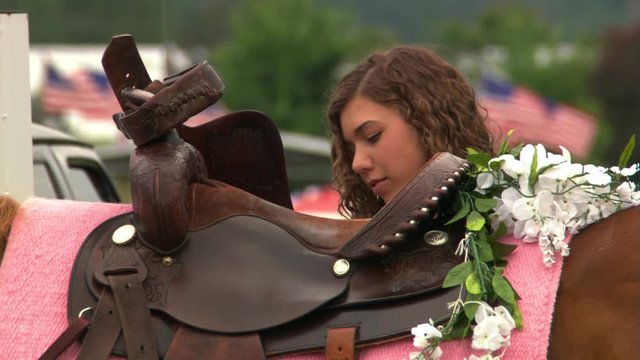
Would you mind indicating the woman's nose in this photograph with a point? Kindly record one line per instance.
(361, 162)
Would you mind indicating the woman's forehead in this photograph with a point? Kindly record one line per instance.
(361, 113)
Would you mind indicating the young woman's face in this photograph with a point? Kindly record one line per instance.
(387, 151)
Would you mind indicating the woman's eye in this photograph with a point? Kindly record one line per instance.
(372, 139)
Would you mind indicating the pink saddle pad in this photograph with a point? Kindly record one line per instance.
(46, 236)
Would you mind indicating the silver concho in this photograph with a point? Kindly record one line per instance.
(123, 234)
(341, 267)
(436, 237)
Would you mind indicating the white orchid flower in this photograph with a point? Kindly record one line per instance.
(510, 166)
(423, 333)
(531, 230)
(566, 155)
(576, 225)
(625, 190)
(555, 178)
(523, 209)
(543, 202)
(593, 213)
(598, 179)
(608, 208)
(560, 246)
(483, 311)
(628, 171)
(554, 227)
(486, 335)
(596, 175)
(504, 206)
(578, 196)
(485, 180)
(519, 230)
(527, 153)
(502, 312)
(565, 210)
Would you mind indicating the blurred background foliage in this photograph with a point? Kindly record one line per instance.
(283, 56)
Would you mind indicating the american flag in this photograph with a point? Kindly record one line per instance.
(85, 92)
(535, 119)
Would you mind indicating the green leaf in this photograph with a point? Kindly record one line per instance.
(457, 274)
(499, 232)
(501, 250)
(503, 289)
(481, 160)
(475, 221)
(505, 143)
(462, 213)
(516, 150)
(517, 316)
(460, 329)
(626, 153)
(546, 167)
(533, 175)
(470, 309)
(485, 251)
(472, 284)
(484, 205)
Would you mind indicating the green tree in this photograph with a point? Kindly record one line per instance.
(534, 53)
(283, 56)
(531, 53)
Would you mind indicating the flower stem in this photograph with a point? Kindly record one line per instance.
(476, 262)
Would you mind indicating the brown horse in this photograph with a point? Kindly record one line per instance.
(597, 311)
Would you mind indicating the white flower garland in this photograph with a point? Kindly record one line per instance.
(539, 196)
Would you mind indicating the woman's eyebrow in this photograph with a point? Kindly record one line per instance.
(361, 127)
(358, 131)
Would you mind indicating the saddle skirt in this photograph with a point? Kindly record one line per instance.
(47, 234)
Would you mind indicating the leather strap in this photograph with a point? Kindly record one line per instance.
(104, 331)
(73, 332)
(191, 343)
(341, 343)
(133, 312)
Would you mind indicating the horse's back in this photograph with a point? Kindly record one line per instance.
(597, 312)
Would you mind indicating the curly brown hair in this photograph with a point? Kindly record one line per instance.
(427, 91)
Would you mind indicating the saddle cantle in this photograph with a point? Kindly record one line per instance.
(208, 267)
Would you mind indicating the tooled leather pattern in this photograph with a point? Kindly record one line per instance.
(419, 269)
(156, 278)
(161, 174)
(182, 99)
(160, 277)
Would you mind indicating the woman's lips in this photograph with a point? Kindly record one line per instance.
(377, 186)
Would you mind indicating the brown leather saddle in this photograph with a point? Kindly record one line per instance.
(213, 263)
